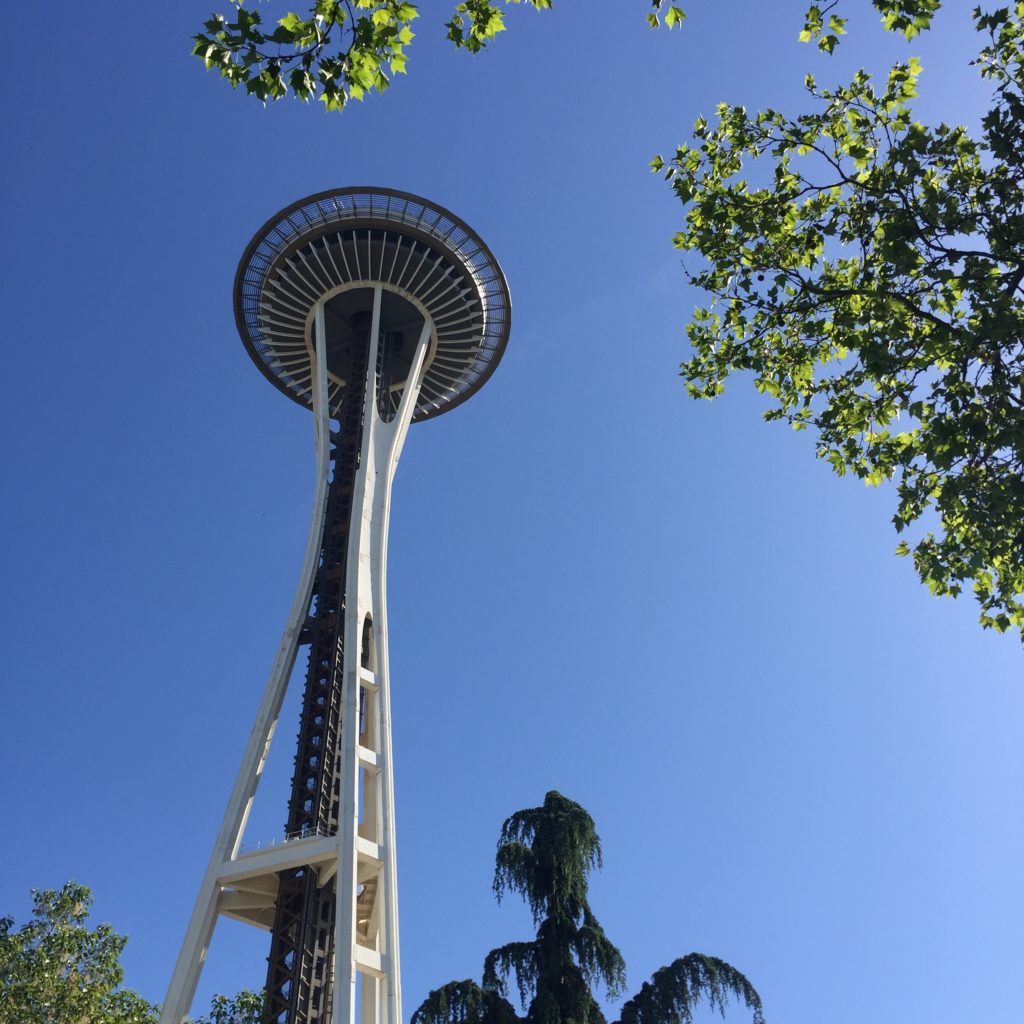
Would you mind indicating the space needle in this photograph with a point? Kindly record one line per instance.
(375, 309)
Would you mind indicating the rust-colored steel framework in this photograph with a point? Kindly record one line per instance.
(299, 968)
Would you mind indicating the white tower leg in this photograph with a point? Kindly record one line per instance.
(366, 835)
(361, 857)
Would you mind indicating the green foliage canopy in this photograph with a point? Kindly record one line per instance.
(546, 854)
(907, 16)
(56, 970)
(342, 49)
(244, 1008)
(872, 286)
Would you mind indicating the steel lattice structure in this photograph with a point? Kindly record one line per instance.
(373, 308)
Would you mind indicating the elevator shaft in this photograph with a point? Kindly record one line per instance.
(300, 964)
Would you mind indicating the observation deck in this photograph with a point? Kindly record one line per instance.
(329, 246)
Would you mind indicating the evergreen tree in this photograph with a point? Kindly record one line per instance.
(545, 854)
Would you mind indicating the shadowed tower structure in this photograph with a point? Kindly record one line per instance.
(374, 309)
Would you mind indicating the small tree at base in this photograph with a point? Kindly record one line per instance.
(56, 970)
(245, 1008)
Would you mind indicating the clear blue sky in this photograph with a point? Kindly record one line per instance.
(669, 611)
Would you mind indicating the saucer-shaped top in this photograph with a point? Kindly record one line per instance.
(362, 237)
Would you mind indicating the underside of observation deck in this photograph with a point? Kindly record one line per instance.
(353, 236)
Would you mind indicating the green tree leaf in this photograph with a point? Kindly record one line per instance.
(871, 287)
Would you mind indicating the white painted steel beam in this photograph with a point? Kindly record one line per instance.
(361, 857)
(185, 978)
